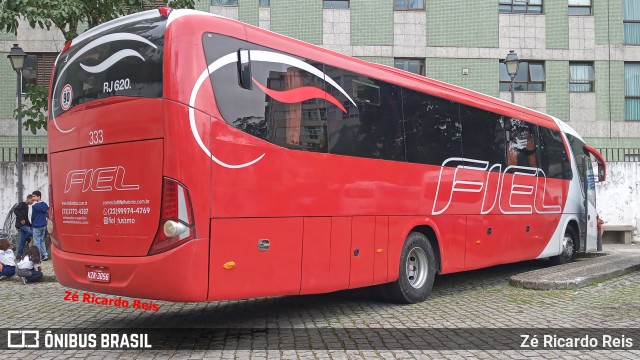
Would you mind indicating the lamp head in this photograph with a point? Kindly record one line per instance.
(17, 56)
(512, 61)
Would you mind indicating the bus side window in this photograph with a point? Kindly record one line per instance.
(371, 126)
(522, 146)
(554, 160)
(433, 128)
(366, 93)
(247, 93)
(483, 136)
(244, 69)
(590, 178)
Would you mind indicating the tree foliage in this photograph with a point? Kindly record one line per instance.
(66, 16)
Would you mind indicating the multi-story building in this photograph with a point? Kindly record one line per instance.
(580, 58)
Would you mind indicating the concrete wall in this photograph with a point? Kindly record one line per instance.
(618, 198)
(34, 178)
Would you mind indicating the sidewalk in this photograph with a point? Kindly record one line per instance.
(614, 260)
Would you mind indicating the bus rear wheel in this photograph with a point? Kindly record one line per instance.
(417, 271)
(569, 249)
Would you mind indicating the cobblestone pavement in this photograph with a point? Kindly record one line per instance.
(481, 298)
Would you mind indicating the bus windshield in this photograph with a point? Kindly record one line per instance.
(122, 60)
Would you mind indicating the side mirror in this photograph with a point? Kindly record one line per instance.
(244, 69)
(602, 165)
(601, 173)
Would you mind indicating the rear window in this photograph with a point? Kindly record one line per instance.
(122, 60)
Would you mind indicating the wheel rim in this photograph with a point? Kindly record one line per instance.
(567, 246)
(417, 267)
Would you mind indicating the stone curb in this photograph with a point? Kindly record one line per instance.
(574, 283)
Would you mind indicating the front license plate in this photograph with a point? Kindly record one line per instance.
(99, 275)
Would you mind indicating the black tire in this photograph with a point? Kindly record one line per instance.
(402, 291)
(569, 248)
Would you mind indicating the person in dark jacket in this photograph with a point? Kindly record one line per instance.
(39, 213)
(22, 222)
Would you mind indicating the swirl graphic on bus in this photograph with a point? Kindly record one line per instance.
(288, 96)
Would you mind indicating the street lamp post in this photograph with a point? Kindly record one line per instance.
(17, 56)
(512, 62)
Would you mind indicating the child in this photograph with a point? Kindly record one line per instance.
(27, 266)
(7, 260)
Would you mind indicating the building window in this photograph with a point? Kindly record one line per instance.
(29, 72)
(37, 70)
(520, 6)
(632, 91)
(335, 4)
(265, 3)
(579, 7)
(415, 66)
(631, 22)
(224, 2)
(408, 4)
(581, 77)
(530, 77)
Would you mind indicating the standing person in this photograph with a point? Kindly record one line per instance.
(22, 222)
(29, 268)
(600, 227)
(7, 260)
(39, 212)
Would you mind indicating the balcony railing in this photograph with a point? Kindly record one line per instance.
(39, 154)
(620, 154)
(30, 154)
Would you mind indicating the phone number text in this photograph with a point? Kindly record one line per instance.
(127, 210)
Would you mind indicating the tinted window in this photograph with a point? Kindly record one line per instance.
(272, 109)
(129, 63)
(483, 136)
(521, 143)
(373, 127)
(433, 128)
(577, 147)
(554, 159)
(591, 188)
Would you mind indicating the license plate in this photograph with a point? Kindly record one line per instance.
(99, 275)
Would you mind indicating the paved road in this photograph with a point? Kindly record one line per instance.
(477, 299)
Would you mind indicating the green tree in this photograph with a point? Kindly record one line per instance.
(66, 16)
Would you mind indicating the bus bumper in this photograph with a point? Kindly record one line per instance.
(180, 274)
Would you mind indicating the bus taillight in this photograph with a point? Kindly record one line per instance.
(176, 218)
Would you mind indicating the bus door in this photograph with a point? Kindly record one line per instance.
(589, 204)
(590, 191)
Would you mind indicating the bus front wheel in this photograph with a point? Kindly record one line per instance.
(417, 271)
(569, 248)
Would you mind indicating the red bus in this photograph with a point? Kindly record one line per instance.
(198, 158)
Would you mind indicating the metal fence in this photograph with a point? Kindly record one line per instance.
(621, 154)
(30, 154)
(39, 154)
